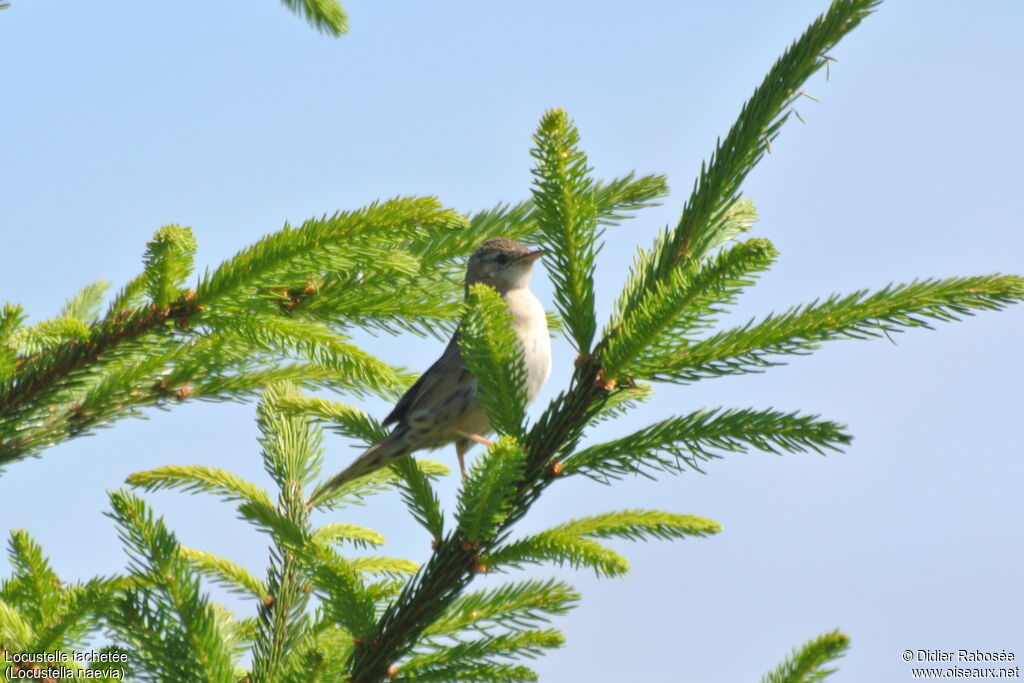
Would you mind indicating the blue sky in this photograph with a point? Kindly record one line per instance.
(233, 118)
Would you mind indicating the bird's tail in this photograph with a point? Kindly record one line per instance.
(379, 455)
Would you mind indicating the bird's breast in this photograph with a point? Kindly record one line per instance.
(531, 326)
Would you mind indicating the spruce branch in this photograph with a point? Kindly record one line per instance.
(15, 631)
(567, 222)
(761, 117)
(706, 221)
(638, 525)
(621, 399)
(233, 333)
(326, 16)
(48, 334)
(518, 605)
(42, 376)
(488, 489)
(806, 663)
(446, 251)
(33, 580)
(389, 301)
(340, 532)
(466, 669)
(321, 657)
(354, 492)
(686, 441)
(291, 452)
(573, 542)
(165, 622)
(861, 315)
(281, 620)
(168, 262)
(246, 380)
(130, 296)
(270, 519)
(199, 479)
(11, 318)
(418, 494)
(336, 236)
(614, 201)
(346, 420)
(291, 444)
(346, 598)
(341, 270)
(39, 612)
(225, 572)
(472, 660)
(79, 613)
(289, 642)
(85, 305)
(559, 549)
(387, 566)
(685, 301)
(494, 356)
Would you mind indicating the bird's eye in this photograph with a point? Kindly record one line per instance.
(501, 258)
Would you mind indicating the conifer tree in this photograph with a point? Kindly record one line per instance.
(273, 320)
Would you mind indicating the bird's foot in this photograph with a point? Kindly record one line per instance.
(474, 437)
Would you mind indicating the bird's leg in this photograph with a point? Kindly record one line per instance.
(461, 446)
(473, 437)
(460, 451)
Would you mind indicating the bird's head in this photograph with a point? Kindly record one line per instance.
(501, 263)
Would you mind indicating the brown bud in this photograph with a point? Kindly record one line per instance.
(601, 381)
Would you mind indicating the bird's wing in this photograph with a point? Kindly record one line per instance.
(435, 380)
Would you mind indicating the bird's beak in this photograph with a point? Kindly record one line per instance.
(531, 256)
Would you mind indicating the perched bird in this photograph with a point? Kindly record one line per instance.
(442, 406)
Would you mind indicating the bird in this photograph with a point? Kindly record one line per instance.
(442, 407)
